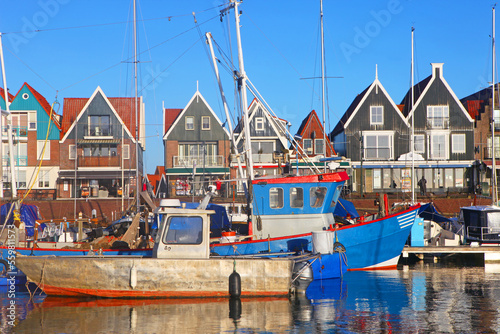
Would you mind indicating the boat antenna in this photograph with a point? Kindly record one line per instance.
(494, 193)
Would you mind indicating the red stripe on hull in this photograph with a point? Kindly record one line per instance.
(391, 267)
(74, 292)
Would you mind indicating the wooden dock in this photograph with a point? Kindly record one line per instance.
(491, 253)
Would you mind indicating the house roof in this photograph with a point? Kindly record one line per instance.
(417, 91)
(340, 125)
(2, 94)
(170, 115)
(43, 102)
(124, 106)
(304, 125)
(475, 103)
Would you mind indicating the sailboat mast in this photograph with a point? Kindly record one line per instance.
(412, 140)
(13, 185)
(242, 87)
(323, 80)
(137, 186)
(494, 192)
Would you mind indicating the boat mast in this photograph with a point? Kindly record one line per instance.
(13, 185)
(137, 186)
(242, 88)
(412, 140)
(323, 80)
(494, 192)
(224, 102)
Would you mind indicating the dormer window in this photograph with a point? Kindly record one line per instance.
(438, 117)
(376, 115)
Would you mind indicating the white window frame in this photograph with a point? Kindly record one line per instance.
(32, 121)
(419, 141)
(378, 135)
(44, 179)
(432, 136)
(458, 143)
(126, 152)
(189, 126)
(375, 117)
(72, 152)
(203, 118)
(65, 185)
(308, 150)
(39, 148)
(259, 123)
(316, 151)
(21, 179)
(438, 122)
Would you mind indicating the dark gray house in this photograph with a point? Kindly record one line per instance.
(373, 134)
(444, 132)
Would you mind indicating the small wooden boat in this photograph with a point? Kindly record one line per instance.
(181, 267)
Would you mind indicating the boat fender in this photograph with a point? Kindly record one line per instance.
(259, 223)
(133, 277)
(234, 283)
(338, 247)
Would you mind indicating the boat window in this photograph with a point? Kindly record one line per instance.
(276, 198)
(317, 196)
(184, 230)
(296, 197)
(494, 219)
(336, 195)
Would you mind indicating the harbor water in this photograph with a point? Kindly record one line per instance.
(424, 298)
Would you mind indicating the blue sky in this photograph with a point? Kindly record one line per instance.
(84, 44)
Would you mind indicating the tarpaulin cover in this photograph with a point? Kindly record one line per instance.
(29, 214)
(345, 207)
(429, 212)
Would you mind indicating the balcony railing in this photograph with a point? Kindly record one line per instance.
(98, 131)
(17, 131)
(110, 161)
(19, 160)
(199, 161)
(438, 123)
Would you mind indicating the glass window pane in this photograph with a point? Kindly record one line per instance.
(296, 197)
(276, 198)
(184, 230)
(317, 196)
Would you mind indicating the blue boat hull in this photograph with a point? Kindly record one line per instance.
(374, 244)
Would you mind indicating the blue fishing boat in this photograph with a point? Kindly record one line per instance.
(289, 211)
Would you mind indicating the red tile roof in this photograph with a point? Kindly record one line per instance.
(473, 107)
(170, 117)
(124, 106)
(2, 94)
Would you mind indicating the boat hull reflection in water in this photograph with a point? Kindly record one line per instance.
(423, 298)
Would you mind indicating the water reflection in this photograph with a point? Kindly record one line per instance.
(424, 298)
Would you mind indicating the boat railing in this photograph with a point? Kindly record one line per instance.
(478, 233)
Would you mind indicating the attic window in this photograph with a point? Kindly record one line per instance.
(205, 122)
(376, 115)
(189, 123)
(26, 96)
(259, 123)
